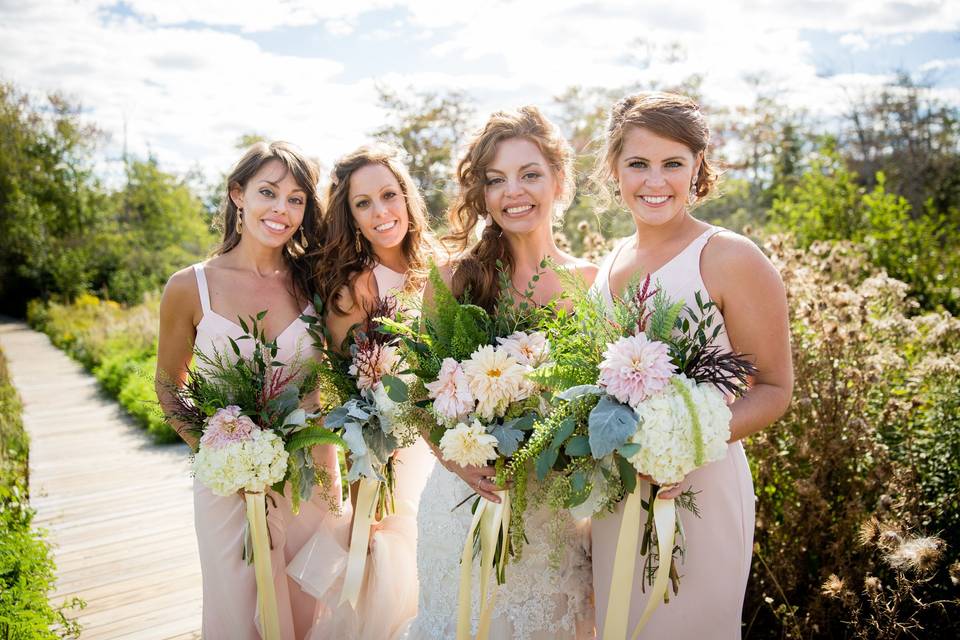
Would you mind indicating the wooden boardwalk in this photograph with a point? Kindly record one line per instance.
(119, 508)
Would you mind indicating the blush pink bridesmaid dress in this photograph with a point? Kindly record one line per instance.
(719, 544)
(229, 585)
(388, 596)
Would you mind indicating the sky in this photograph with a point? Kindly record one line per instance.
(182, 80)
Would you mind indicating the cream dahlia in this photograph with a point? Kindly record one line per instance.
(495, 379)
(468, 444)
(531, 349)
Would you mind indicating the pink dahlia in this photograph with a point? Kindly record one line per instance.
(225, 426)
(635, 368)
(451, 393)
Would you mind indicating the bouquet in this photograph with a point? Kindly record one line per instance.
(363, 394)
(253, 435)
(640, 389)
(478, 405)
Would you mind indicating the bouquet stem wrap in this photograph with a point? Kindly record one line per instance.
(266, 595)
(363, 518)
(618, 611)
(493, 521)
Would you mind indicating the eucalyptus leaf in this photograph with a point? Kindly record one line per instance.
(611, 424)
(578, 446)
(545, 462)
(578, 391)
(629, 450)
(508, 437)
(628, 474)
(395, 387)
(567, 425)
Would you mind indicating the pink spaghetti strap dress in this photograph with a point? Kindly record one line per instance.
(229, 585)
(388, 597)
(719, 544)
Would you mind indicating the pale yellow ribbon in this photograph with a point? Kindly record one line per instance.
(491, 518)
(363, 518)
(621, 584)
(266, 595)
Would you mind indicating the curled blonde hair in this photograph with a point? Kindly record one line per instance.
(337, 261)
(476, 270)
(668, 115)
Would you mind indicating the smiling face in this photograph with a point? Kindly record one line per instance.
(273, 205)
(378, 206)
(521, 189)
(654, 175)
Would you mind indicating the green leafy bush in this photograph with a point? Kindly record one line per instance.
(26, 562)
(117, 344)
(828, 204)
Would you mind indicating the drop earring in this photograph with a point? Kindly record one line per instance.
(693, 190)
(356, 243)
(239, 225)
(303, 239)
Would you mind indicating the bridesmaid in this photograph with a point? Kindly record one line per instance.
(271, 213)
(655, 157)
(378, 245)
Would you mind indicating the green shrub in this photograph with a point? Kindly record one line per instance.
(918, 248)
(139, 398)
(26, 562)
(117, 344)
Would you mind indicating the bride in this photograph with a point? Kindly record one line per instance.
(516, 173)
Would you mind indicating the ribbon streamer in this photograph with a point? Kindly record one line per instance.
(492, 519)
(266, 595)
(624, 563)
(665, 520)
(363, 517)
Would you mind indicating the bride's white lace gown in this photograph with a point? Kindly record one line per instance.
(538, 601)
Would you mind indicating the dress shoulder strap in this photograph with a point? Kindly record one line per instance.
(389, 282)
(607, 265)
(202, 286)
(696, 247)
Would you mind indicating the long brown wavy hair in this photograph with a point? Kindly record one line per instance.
(476, 271)
(307, 176)
(668, 115)
(337, 264)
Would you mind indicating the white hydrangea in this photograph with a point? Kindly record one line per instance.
(250, 464)
(665, 431)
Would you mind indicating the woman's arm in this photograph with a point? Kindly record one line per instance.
(179, 307)
(750, 294)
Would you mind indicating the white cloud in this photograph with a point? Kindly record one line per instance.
(188, 93)
(855, 42)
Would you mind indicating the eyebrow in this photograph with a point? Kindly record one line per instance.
(380, 190)
(526, 166)
(277, 186)
(646, 160)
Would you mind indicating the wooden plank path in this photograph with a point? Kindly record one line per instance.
(118, 507)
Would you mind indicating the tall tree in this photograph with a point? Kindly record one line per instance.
(428, 126)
